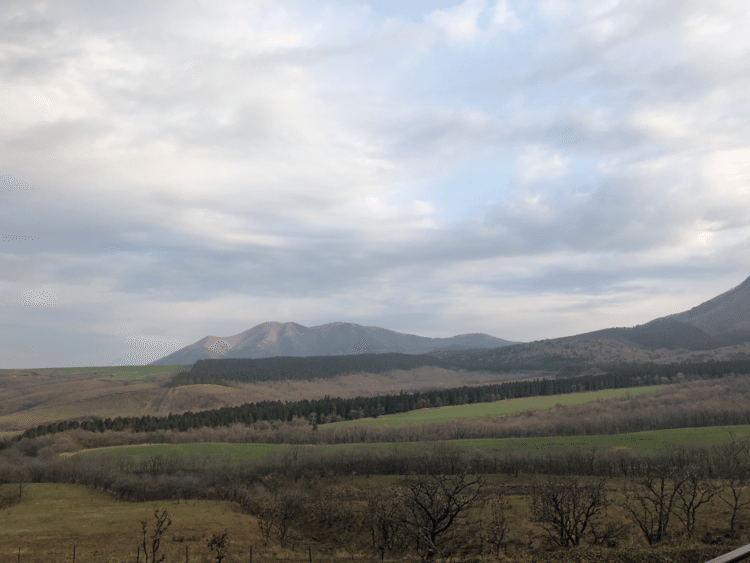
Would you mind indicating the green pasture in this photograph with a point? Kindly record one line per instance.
(114, 373)
(650, 441)
(497, 408)
(128, 373)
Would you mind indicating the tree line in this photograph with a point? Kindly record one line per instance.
(300, 368)
(338, 409)
(664, 494)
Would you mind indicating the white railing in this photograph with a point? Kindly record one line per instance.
(732, 556)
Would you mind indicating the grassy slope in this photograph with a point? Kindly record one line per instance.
(104, 399)
(498, 408)
(53, 518)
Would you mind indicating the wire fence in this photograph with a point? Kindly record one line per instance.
(310, 554)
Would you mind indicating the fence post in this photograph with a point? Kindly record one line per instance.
(186, 554)
(251, 554)
(309, 551)
(74, 553)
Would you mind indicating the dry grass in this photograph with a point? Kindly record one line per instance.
(30, 398)
(365, 385)
(53, 518)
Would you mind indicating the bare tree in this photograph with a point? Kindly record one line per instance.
(694, 492)
(495, 531)
(736, 460)
(570, 511)
(162, 521)
(275, 511)
(289, 506)
(651, 500)
(384, 517)
(219, 543)
(432, 505)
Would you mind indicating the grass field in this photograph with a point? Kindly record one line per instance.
(91, 399)
(53, 518)
(638, 442)
(498, 408)
(117, 373)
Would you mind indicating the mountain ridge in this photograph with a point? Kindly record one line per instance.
(721, 321)
(273, 338)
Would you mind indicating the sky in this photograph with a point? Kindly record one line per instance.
(172, 170)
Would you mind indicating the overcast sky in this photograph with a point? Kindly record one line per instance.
(527, 169)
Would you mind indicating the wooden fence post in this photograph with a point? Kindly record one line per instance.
(251, 554)
(74, 553)
(309, 551)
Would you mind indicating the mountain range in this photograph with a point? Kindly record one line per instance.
(333, 339)
(721, 321)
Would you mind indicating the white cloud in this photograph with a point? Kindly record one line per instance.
(236, 163)
(504, 17)
(538, 163)
(459, 24)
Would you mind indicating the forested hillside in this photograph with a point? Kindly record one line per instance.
(305, 368)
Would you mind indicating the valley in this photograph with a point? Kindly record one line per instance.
(320, 458)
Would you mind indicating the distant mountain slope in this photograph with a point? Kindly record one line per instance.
(720, 325)
(726, 313)
(291, 339)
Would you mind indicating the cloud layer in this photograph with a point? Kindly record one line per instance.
(527, 169)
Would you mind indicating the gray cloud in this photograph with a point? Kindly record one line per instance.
(171, 170)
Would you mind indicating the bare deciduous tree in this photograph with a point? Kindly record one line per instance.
(569, 511)
(735, 455)
(651, 500)
(276, 510)
(495, 531)
(289, 506)
(384, 516)
(432, 504)
(694, 492)
(162, 521)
